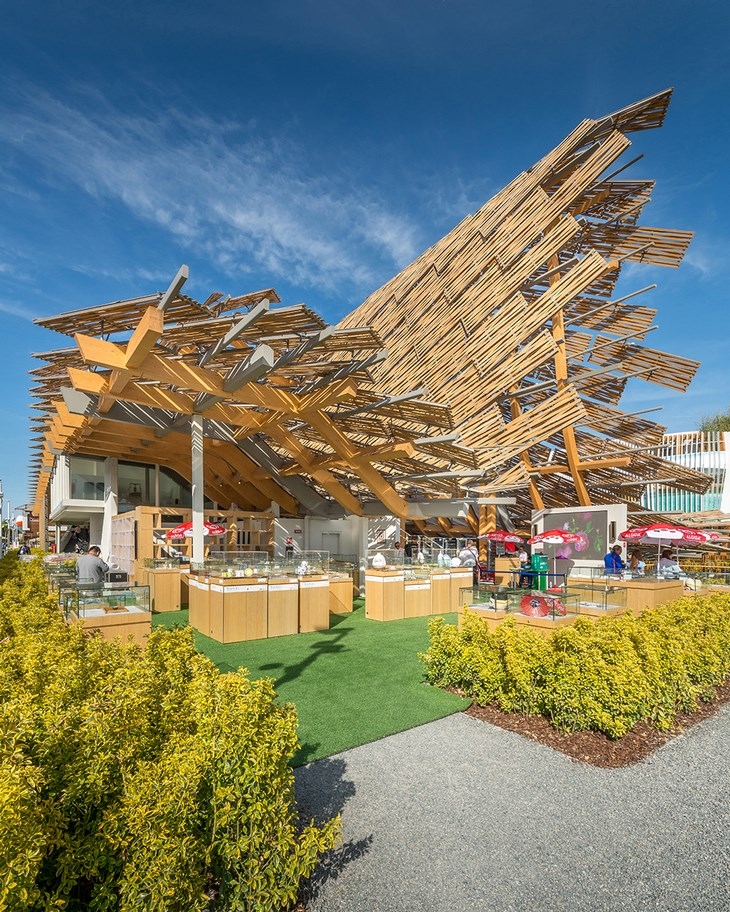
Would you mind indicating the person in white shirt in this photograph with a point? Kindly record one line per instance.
(668, 565)
(469, 554)
(524, 558)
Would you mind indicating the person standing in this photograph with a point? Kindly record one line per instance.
(468, 554)
(524, 558)
(90, 568)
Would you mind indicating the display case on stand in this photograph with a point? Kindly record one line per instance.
(163, 576)
(109, 609)
(416, 591)
(384, 594)
(283, 605)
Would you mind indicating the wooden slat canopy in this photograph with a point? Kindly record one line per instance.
(503, 350)
(513, 319)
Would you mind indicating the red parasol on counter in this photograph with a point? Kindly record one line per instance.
(186, 530)
(555, 537)
(667, 534)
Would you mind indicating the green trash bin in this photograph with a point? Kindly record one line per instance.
(539, 563)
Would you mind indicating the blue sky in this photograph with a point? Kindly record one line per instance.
(320, 146)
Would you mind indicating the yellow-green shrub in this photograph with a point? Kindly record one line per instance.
(139, 779)
(604, 676)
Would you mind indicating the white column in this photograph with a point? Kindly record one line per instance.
(196, 456)
(111, 485)
(362, 549)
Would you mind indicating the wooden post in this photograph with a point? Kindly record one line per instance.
(487, 523)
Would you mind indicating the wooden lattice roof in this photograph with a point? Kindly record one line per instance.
(513, 320)
(498, 357)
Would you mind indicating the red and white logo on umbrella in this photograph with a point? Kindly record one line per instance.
(186, 530)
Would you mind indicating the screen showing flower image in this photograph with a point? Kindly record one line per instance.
(591, 525)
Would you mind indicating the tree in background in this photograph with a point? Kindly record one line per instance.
(717, 422)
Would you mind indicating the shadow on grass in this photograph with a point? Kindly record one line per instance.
(328, 644)
(322, 792)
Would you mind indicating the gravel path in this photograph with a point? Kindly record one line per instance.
(461, 815)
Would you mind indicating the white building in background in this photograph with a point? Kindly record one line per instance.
(707, 452)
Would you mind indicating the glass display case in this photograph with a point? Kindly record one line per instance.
(384, 558)
(60, 571)
(599, 594)
(713, 579)
(239, 563)
(344, 563)
(308, 563)
(84, 600)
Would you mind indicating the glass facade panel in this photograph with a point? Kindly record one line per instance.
(174, 490)
(135, 484)
(87, 478)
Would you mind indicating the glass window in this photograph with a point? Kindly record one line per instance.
(136, 485)
(174, 490)
(87, 478)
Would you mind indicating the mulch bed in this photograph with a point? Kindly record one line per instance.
(594, 747)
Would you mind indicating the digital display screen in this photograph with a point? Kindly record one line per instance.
(591, 525)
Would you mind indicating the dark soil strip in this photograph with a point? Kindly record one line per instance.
(593, 747)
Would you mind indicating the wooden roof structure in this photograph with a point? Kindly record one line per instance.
(495, 362)
(512, 319)
(280, 393)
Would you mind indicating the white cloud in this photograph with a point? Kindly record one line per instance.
(246, 201)
(16, 310)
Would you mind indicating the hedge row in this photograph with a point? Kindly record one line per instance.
(603, 676)
(138, 779)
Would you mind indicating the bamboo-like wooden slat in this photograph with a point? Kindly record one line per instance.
(511, 322)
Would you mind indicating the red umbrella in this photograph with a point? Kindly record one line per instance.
(509, 539)
(555, 537)
(667, 534)
(186, 530)
(501, 536)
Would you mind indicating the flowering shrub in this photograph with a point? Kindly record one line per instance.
(138, 779)
(604, 676)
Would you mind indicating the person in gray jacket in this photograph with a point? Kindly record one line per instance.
(90, 568)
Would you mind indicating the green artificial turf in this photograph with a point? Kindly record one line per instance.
(356, 682)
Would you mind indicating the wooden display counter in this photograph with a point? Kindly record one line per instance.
(238, 609)
(283, 606)
(384, 592)
(441, 602)
(596, 611)
(314, 604)
(460, 578)
(643, 593)
(493, 616)
(164, 583)
(199, 602)
(544, 625)
(341, 595)
(132, 623)
(502, 568)
(185, 586)
(416, 598)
